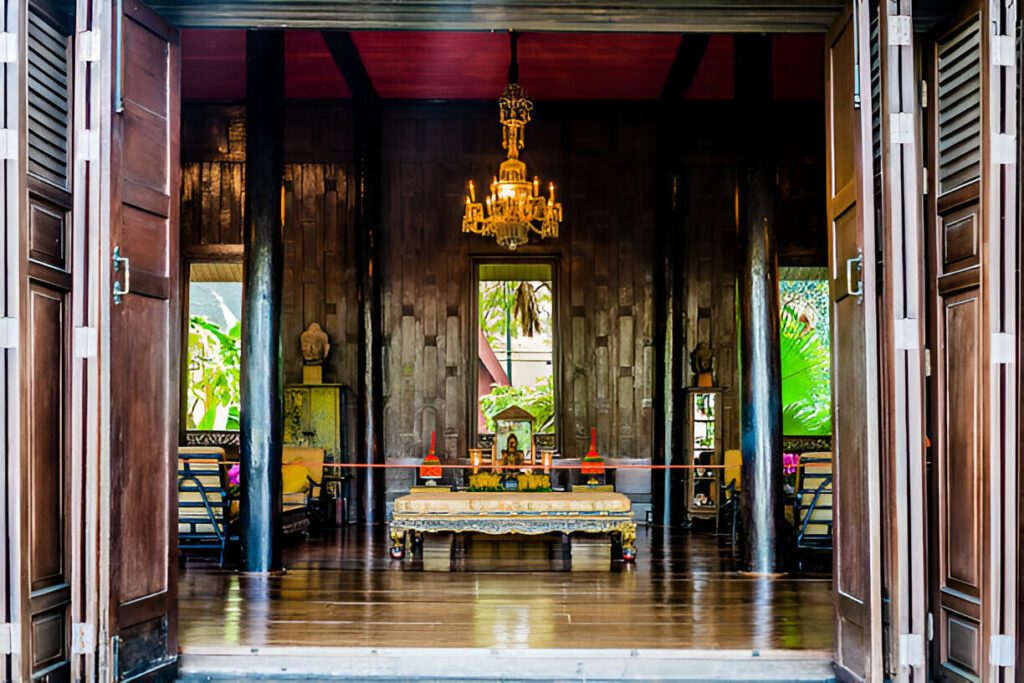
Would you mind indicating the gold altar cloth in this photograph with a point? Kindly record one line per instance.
(460, 502)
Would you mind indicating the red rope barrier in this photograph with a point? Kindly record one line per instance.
(484, 466)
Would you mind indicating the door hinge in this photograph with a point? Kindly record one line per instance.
(911, 650)
(85, 342)
(1004, 348)
(89, 46)
(8, 144)
(928, 373)
(83, 640)
(9, 639)
(906, 334)
(8, 48)
(1004, 148)
(8, 333)
(901, 128)
(929, 626)
(1003, 51)
(924, 94)
(1001, 650)
(900, 30)
(924, 180)
(88, 145)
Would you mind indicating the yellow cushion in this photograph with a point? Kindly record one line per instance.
(733, 470)
(294, 479)
(305, 454)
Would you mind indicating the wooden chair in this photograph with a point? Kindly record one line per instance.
(298, 505)
(203, 503)
(731, 487)
(812, 507)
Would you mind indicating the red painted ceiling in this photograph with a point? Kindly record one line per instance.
(474, 66)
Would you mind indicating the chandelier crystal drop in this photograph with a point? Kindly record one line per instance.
(514, 207)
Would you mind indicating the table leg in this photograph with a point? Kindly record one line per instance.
(397, 543)
(628, 536)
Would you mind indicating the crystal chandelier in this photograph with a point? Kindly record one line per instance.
(514, 206)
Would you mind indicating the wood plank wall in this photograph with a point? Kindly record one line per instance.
(604, 175)
(603, 162)
(319, 249)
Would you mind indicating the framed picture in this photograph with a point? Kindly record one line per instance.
(513, 437)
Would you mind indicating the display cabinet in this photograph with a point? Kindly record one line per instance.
(314, 415)
(704, 451)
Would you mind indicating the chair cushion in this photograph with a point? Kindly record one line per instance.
(305, 454)
(294, 479)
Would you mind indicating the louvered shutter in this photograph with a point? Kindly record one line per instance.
(49, 120)
(959, 100)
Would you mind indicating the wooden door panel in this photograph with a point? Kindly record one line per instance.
(961, 476)
(857, 556)
(45, 279)
(841, 140)
(48, 579)
(959, 310)
(139, 514)
(144, 341)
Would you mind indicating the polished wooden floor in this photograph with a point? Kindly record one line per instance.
(341, 589)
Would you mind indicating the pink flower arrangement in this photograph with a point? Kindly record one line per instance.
(790, 461)
(235, 475)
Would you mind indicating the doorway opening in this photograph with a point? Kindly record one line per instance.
(566, 329)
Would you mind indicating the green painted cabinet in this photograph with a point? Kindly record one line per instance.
(314, 415)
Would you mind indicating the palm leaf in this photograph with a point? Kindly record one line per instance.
(806, 378)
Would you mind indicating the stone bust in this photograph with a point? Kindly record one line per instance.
(702, 359)
(314, 345)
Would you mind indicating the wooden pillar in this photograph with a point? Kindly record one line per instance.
(669, 247)
(761, 394)
(261, 409)
(370, 480)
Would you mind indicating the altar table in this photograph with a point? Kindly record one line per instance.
(514, 513)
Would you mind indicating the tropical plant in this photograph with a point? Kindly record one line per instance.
(538, 400)
(520, 308)
(214, 381)
(806, 377)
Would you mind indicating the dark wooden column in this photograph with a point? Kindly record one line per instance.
(761, 395)
(261, 410)
(370, 480)
(668, 250)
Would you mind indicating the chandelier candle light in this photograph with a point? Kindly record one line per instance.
(514, 206)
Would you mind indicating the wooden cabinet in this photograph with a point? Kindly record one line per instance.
(314, 415)
(704, 449)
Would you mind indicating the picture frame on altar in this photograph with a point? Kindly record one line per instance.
(514, 423)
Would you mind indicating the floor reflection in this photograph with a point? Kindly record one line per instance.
(341, 589)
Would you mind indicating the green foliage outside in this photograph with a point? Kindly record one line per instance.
(522, 309)
(214, 382)
(806, 364)
(527, 305)
(538, 400)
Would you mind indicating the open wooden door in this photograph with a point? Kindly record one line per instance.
(972, 296)
(855, 443)
(141, 351)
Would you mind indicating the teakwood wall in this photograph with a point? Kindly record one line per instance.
(603, 160)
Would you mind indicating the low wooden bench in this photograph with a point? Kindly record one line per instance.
(514, 513)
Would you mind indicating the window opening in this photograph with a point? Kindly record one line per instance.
(214, 346)
(515, 342)
(805, 352)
